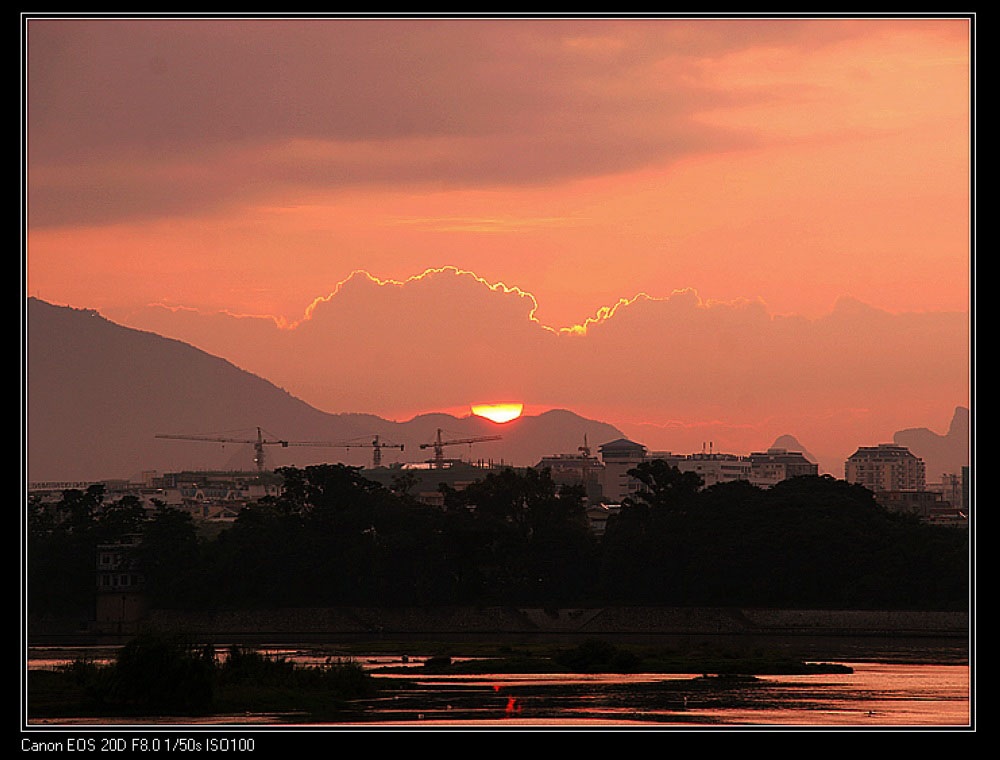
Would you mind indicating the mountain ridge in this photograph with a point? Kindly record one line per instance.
(98, 394)
(942, 454)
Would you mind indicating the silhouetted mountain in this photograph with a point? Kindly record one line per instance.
(98, 394)
(942, 454)
(790, 443)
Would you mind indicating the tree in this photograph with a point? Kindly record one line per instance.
(155, 673)
(62, 547)
(536, 544)
(169, 557)
(121, 518)
(665, 486)
(77, 510)
(325, 493)
(403, 484)
(529, 500)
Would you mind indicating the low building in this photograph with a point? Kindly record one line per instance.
(948, 517)
(121, 599)
(918, 503)
(775, 465)
(622, 455)
(714, 468)
(952, 489)
(575, 470)
(929, 506)
(598, 514)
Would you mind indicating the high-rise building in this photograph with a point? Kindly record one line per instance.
(886, 467)
(620, 456)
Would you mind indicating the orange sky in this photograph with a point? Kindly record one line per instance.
(249, 167)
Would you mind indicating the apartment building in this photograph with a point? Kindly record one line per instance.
(886, 467)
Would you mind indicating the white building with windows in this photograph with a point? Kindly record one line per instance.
(715, 468)
(622, 455)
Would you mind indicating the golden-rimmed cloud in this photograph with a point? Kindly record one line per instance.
(447, 337)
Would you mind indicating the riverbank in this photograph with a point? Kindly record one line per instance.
(596, 622)
(901, 634)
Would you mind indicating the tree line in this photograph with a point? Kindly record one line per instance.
(515, 537)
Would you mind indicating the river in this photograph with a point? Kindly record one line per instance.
(905, 687)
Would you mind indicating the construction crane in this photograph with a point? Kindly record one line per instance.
(376, 445)
(258, 443)
(438, 445)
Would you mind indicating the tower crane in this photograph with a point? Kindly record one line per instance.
(376, 444)
(258, 443)
(438, 445)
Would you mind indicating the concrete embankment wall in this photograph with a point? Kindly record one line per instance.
(357, 621)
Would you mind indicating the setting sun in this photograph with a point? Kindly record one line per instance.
(498, 412)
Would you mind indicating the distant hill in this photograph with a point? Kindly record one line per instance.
(942, 454)
(790, 443)
(98, 394)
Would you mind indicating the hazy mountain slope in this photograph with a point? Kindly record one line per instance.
(790, 443)
(943, 454)
(97, 394)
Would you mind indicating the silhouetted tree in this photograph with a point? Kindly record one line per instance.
(262, 560)
(62, 548)
(169, 558)
(121, 518)
(539, 547)
(155, 673)
(77, 510)
(335, 538)
(665, 486)
(325, 494)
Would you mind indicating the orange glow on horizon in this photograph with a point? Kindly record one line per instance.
(498, 413)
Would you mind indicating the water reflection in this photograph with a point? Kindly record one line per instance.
(875, 694)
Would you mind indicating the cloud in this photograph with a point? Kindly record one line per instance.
(141, 118)
(446, 338)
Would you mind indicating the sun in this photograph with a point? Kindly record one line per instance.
(498, 412)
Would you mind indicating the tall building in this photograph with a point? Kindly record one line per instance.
(886, 467)
(620, 456)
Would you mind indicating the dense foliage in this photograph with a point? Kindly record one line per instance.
(334, 538)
